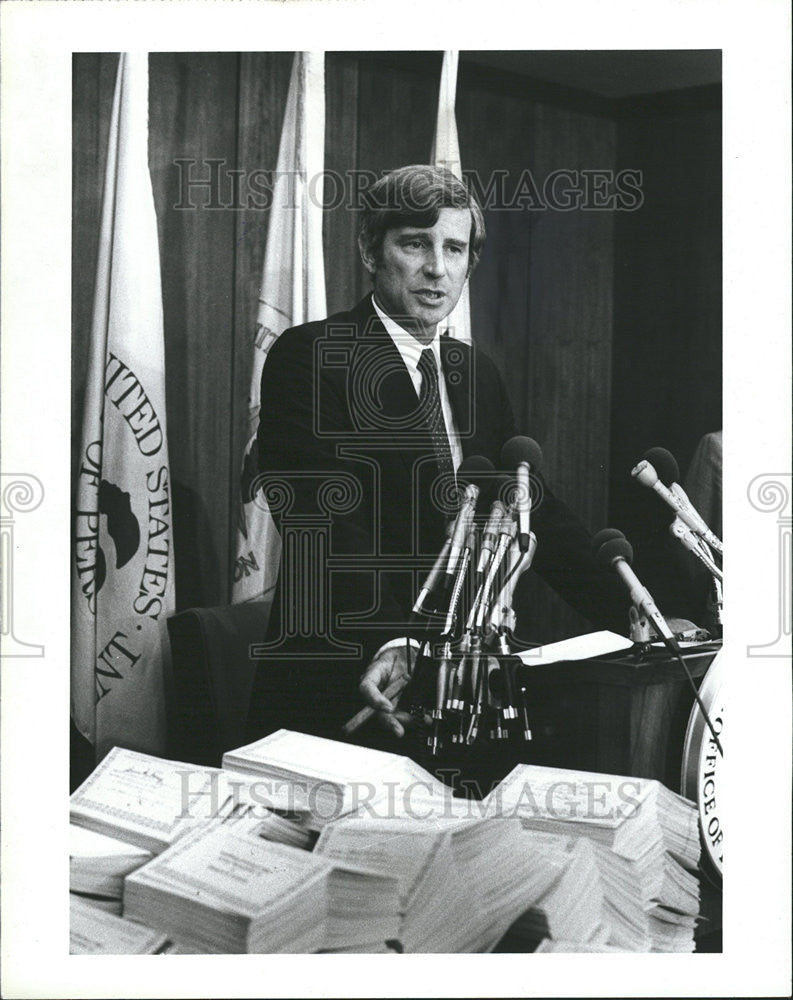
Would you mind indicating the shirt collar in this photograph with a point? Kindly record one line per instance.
(407, 345)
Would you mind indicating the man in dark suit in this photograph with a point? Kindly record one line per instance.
(365, 417)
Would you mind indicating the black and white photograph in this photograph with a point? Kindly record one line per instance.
(404, 408)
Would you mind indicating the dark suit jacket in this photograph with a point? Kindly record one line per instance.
(351, 479)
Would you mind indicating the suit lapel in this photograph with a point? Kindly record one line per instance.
(381, 394)
(382, 386)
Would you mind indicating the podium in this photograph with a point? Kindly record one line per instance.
(623, 714)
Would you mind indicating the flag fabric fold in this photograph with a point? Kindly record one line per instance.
(292, 292)
(446, 153)
(122, 570)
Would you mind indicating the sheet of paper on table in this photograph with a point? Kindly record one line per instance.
(580, 647)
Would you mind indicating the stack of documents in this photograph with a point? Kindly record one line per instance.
(94, 932)
(429, 889)
(569, 858)
(447, 866)
(628, 815)
(328, 779)
(224, 888)
(98, 863)
(150, 802)
(363, 909)
(635, 841)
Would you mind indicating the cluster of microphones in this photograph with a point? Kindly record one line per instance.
(468, 681)
(465, 678)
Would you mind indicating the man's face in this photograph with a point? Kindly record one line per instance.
(421, 272)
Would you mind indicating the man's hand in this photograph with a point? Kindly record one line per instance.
(388, 666)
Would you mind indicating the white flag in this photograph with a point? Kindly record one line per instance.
(446, 153)
(292, 292)
(123, 572)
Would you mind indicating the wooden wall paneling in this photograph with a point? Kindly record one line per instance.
(93, 83)
(496, 136)
(667, 324)
(193, 115)
(340, 226)
(571, 316)
(397, 112)
(263, 89)
(569, 350)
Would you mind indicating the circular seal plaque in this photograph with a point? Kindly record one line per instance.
(703, 766)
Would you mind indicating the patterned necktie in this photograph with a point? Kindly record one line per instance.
(430, 403)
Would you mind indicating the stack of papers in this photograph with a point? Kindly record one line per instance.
(628, 815)
(150, 802)
(598, 861)
(520, 874)
(94, 932)
(634, 841)
(421, 859)
(104, 903)
(98, 863)
(224, 888)
(489, 871)
(448, 866)
(661, 896)
(572, 907)
(363, 909)
(328, 779)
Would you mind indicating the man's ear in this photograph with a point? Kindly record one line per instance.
(367, 258)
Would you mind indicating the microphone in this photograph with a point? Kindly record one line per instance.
(617, 554)
(474, 471)
(695, 545)
(669, 473)
(459, 580)
(444, 695)
(605, 535)
(476, 620)
(503, 616)
(462, 525)
(490, 535)
(506, 536)
(521, 449)
(522, 453)
(664, 463)
(646, 474)
(432, 577)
